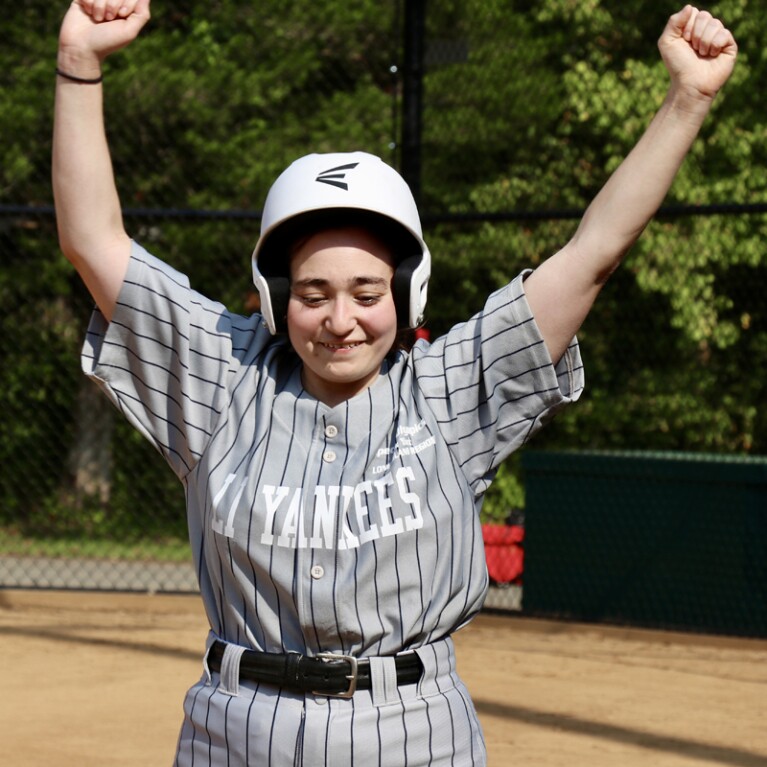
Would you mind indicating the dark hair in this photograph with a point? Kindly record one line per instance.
(280, 243)
(404, 340)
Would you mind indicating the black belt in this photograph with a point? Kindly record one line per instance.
(325, 674)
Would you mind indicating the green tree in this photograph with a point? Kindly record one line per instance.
(528, 108)
(547, 102)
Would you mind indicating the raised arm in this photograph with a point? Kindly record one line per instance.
(88, 214)
(699, 54)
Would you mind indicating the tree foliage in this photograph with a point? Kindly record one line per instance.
(527, 108)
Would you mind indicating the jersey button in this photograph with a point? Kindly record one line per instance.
(317, 572)
(329, 456)
(331, 431)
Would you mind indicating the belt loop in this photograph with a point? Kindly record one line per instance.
(230, 670)
(383, 680)
(211, 640)
(438, 660)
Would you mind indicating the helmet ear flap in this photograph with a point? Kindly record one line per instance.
(279, 293)
(402, 289)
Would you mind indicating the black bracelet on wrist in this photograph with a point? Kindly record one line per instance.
(75, 79)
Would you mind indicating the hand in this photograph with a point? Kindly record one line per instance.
(92, 29)
(699, 52)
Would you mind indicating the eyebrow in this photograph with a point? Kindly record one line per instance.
(356, 282)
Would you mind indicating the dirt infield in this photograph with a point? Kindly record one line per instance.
(96, 680)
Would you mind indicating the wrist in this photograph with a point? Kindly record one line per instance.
(81, 64)
(689, 98)
(688, 105)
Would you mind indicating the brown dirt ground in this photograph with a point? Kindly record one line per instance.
(95, 680)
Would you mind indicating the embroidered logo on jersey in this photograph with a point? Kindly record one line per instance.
(410, 441)
(336, 176)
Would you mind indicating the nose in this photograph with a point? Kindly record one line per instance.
(341, 318)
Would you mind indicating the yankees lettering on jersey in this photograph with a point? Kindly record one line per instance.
(334, 516)
(366, 513)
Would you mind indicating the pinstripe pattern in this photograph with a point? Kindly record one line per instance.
(351, 529)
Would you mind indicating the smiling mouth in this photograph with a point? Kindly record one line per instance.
(342, 347)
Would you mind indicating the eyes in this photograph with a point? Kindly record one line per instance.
(317, 298)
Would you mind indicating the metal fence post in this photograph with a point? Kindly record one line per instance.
(412, 96)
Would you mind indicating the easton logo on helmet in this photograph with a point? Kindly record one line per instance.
(335, 176)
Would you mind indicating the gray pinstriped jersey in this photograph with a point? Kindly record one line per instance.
(351, 529)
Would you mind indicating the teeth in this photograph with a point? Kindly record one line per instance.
(341, 346)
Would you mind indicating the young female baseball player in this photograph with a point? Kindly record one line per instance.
(333, 481)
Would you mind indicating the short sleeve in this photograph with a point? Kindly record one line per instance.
(492, 383)
(165, 358)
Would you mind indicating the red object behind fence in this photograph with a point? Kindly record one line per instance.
(504, 552)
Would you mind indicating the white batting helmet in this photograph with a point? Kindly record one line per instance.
(323, 191)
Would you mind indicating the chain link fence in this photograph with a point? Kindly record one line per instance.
(485, 108)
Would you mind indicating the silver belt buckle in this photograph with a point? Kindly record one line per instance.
(331, 656)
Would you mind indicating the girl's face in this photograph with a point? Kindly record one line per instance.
(341, 316)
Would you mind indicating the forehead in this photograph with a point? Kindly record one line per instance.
(350, 252)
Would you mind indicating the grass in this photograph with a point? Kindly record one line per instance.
(15, 543)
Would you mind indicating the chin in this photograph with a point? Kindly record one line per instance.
(351, 379)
